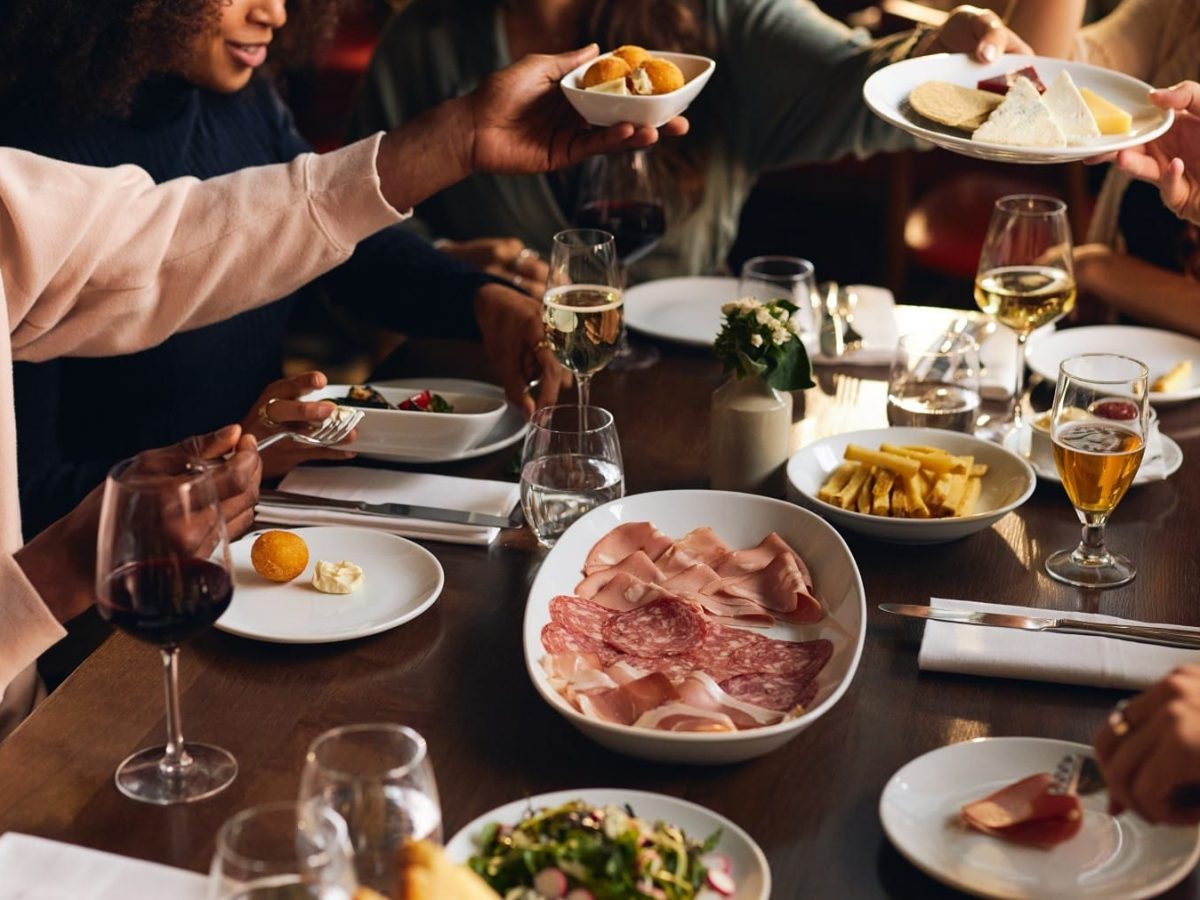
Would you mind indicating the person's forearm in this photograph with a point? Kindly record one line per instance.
(60, 563)
(1144, 291)
(426, 155)
(1049, 26)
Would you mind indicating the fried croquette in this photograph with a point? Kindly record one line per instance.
(663, 75)
(605, 69)
(633, 55)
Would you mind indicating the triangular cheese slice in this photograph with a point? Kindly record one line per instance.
(1022, 120)
(1069, 110)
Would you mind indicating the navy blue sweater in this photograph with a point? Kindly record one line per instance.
(200, 380)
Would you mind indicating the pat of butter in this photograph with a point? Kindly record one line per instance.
(1110, 118)
(616, 86)
(337, 578)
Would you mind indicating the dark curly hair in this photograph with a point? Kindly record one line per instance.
(83, 58)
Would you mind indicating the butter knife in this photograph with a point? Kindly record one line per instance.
(1145, 634)
(392, 510)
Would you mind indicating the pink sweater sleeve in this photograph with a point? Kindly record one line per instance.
(101, 262)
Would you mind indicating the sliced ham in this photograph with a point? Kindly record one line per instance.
(627, 703)
(778, 587)
(623, 541)
(1027, 813)
(701, 691)
(699, 546)
(624, 592)
(732, 610)
(638, 565)
(693, 578)
(740, 562)
(684, 717)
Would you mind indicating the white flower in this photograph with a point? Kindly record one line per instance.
(763, 316)
(729, 308)
(780, 336)
(756, 340)
(781, 314)
(794, 324)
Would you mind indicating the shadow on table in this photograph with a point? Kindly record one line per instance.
(900, 878)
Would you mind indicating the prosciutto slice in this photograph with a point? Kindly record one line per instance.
(684, 717)
(637, 565)
(779, 587)
(625, 540)
(627, 703)
(1027, 813)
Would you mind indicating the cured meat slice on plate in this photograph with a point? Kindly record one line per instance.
(701, 691)
(557, 639)
(637, 564)
(627, 703)
(685, 717)
(778, 587)
(719, 650)
(577, 614)
(676, 667)
(624, 592)
(693, 578)
(779, 692)
(1027, 812)
(624, 540)
(665, 626)
(783, 657)
(699, 546)
(739, 562)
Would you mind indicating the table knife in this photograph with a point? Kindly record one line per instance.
(393, 510)
(1162, 635)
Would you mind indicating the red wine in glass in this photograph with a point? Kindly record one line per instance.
(637, 225)
(166, 601)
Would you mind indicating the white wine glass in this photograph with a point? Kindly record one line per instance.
(379, 779)
(1025, 278)
(583, 312)
(282, 850)
(163, 574)
(1098, 425)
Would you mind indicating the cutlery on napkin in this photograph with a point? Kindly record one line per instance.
(1038, 656)
(492, 498)
(875, 317)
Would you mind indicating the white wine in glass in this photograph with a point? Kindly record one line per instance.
(1025, 278)
(1098, 425)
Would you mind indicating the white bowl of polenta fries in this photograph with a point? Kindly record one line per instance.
(909, 485)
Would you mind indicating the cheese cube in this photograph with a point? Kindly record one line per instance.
(1110, 118)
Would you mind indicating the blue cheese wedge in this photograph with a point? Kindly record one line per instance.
(1022, 120)
(1069, 110)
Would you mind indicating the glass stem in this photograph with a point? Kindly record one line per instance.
(585, 387)
(1019, 388)
(1092, 545)
(176, 760)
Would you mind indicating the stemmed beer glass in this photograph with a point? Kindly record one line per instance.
(1025, 278)
(1098, 425)
(583, 309)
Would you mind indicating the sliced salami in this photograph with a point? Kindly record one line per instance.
(778, 692)
(557, 639)
(676, 667)
(579, 615)
(773, 657)
(666, 626)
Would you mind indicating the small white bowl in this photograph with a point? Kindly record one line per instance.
(655, 110)
(420, 434)
(1009, 483)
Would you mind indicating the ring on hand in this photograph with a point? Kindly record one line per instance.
(525, 254)
(1116, 720)
(264, 413)
(518, 282)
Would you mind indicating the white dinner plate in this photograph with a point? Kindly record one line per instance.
(886, 92)
(1043, 463)
(1159, 350)
(1120, 857)
(740, 520)
(750, 870)
(510, 429)
(400, 581)
(688, 311)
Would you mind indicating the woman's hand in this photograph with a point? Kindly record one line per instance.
(507, 258)
(977, 32)
(514, 341)
(278, 408)
(1173, 161)
(1150, 749)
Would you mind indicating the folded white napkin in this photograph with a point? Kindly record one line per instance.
(1154, 463)
(33, 868)
(875, 319)
(1037, 656)
(385, 486)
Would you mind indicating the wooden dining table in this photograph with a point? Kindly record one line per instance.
(457, 673)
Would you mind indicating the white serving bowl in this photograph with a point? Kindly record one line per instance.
(420, 434)
(655, 110)
(741, 520)
(1009, 482)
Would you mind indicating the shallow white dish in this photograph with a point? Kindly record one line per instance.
(613, 109)
(1043, 461)
(886, 93)
(750, 869)
(400, 581)
(1009, 483)
(422, 435)
(741, 520)
(1158, 350)
(1110, 857)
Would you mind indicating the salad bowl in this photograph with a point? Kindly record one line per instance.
(740, 520)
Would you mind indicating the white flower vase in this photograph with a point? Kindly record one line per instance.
(751, 428)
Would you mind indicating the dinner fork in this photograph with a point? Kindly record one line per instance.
(332, 431)
(846, 301)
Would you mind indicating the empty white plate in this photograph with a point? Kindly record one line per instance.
(1121, 857)
(400, 581)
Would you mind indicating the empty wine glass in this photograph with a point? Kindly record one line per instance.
(767, 278)
(583, 311)
(163, 574)
(620, 194)
(378, 778)
(570, 465)
(282, 850)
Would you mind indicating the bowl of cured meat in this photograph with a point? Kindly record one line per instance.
(695, 626)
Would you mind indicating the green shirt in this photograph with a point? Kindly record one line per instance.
(787, 89)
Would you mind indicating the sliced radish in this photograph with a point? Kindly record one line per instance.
(550, 883)
(721, 882)
(580, 894)
(718, 861)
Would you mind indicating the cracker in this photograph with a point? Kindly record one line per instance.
(951, 104)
